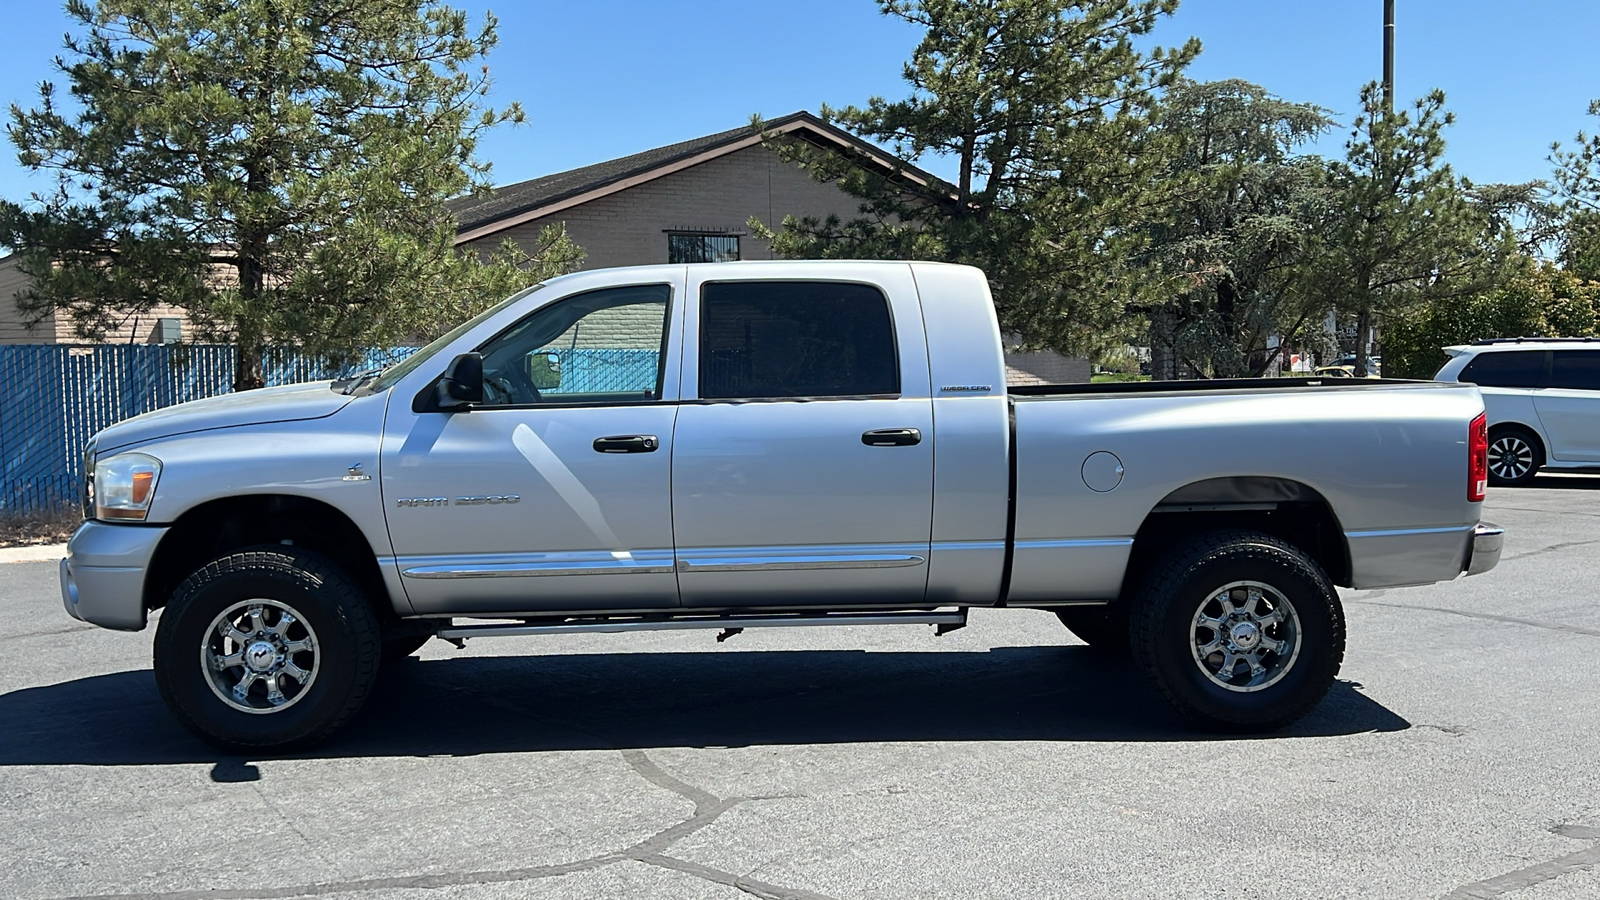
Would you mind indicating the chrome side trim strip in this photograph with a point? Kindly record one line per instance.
(807, 561)
(538, 570)
(1071, 543)
(1409, 532)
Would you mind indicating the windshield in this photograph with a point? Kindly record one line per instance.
(411, 363)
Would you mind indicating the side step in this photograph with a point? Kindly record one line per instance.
(945, 620)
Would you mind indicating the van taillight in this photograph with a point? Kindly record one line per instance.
(1478, 458)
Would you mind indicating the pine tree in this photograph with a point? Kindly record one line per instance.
(1401, 229)
(1047, 111)
(276, 168)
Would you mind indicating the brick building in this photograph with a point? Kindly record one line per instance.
(163, 324)
(686, 202)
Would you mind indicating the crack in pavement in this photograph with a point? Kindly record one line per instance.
(749, 885)
(707, 808)
(1537, 873)
(66, 629)
(1550, 549)
(1553, 512)
(1491, 617)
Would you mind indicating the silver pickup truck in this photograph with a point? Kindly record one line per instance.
(748, 445)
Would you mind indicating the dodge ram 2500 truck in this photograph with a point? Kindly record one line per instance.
(746, 445)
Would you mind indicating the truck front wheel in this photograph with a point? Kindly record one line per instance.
(268, 648)
(1241, 631)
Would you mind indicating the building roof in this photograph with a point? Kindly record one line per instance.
(480, 215)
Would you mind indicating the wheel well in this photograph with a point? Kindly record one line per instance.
(214, 529)
(1285, 509)
(1538, 442)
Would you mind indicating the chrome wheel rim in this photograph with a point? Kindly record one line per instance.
(1510, 457)
(260, 656)
(1245, 636)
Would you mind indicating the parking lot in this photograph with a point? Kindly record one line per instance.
(1455, 758)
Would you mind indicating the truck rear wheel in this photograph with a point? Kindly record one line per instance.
(268, 648)
(1098, 626)
(1241, 631)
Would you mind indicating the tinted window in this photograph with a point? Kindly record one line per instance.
(603, 346)
(1575, 369)
(1514, 368)
(795, 339)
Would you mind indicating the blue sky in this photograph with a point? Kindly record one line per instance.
(605, 78)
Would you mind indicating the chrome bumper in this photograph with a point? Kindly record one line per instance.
(102, 576)
(1487, 540)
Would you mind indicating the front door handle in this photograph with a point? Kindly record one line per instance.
(627, 443)
(892, 437)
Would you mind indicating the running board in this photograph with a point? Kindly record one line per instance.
(945, 620)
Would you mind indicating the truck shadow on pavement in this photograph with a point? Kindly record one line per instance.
(476, 705)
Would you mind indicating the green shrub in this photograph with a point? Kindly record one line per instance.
(1544, 302)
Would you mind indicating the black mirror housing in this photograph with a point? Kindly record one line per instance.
(462, 383)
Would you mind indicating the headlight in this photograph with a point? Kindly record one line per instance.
(124, 485)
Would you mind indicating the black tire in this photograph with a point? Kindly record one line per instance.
(1101, 627)
(332, 625)
(400, 646)
(1168, 638)
(1515, 456)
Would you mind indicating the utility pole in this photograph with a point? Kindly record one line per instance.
(1388, 55)
(1364, 321)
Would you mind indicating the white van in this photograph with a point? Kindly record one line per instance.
(1543, 400)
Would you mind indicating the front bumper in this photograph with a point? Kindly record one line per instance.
(1484, 554)
(102, 576)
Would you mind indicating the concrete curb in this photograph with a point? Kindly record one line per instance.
(34, 553)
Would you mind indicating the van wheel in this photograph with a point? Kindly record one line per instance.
(268, 648)
(1241, 631)
(1515, 455)
(1100, 627)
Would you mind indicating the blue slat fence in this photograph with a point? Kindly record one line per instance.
(54, 397)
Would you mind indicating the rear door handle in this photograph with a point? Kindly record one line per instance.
(627, 443)
(892, 437)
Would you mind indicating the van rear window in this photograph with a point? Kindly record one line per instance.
(1576, 369)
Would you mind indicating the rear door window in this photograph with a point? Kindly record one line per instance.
(1575, 369)
(770, 339)
(1513, 368)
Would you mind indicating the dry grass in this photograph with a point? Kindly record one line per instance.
(29, 529)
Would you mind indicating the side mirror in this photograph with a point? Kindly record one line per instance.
(462, 383)
(544, 370)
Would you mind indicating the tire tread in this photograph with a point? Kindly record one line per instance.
(313, 571)
(1168, 577)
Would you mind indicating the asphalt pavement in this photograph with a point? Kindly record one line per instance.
(1455, 758)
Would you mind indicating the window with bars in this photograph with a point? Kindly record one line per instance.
(701, 248)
